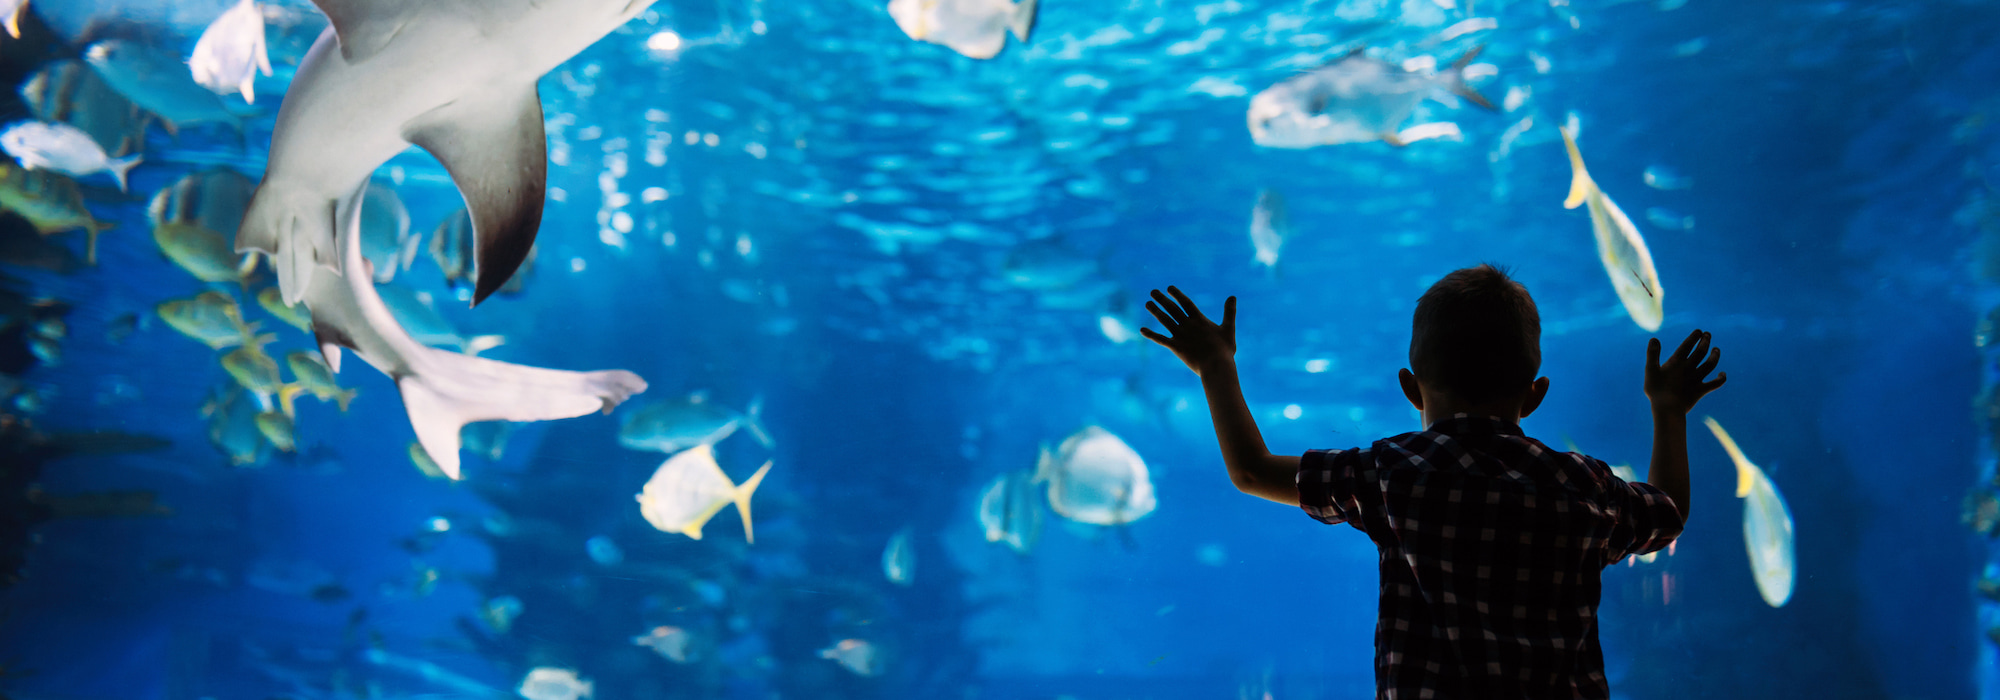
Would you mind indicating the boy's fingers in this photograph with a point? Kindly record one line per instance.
(1165, 320)
(1686, 345)
(1720, 379)
(1229, 313)
(1186, 303)
(1173, 310)
(1708, 365)
(1652, 353)
(1155, 337)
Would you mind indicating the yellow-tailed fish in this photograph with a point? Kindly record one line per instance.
(277, 427)
(690, 488)
(294, 315)
(207, 255)
(211, 317)
(50, 201)
(256, 371)
(1619, 246)
(312, 375)
(1767, 523)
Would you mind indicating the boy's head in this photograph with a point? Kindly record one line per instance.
(1477, 338)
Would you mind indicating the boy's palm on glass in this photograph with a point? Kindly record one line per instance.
(1675, 385)
(1198, 341)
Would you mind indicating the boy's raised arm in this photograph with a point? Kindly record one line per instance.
(1673, 388)
(1209, 349)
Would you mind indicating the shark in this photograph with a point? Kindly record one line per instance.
(442, 390)
(453, 77)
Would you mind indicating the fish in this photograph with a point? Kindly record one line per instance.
(452, 249)
(232, 425)
(231, 51)
(427, 466)
(1093, 477)
(276, 426)
(313, 377)
(499, 612)
(671, 643)
(1767, 523)
(1669, 219)
(413, 311)
(604, 551)
(156, 78)
(899, 559)
(1046, 264)
(254, 370)
(11, 11)
(45, 350)
(295, 315)
(211, 317)
(213, 199)
(547, 683)
(1661, 177)
(385, 233)
(1009, 513)
(441, 390)
(671, 426)
(857, 655)
(1619, 245)
(973, 28)
(64, 149)
(1269, 227)
(689, 488)
(1354, 99)
(50, 201)
(203, 253)
(456, 80)
(69, 92)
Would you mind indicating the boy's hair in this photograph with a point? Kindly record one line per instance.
(1476, 335)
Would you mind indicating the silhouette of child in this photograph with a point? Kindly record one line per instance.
(1491, 543)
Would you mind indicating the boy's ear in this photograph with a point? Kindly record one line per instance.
(1536, 392)
(1412, 389)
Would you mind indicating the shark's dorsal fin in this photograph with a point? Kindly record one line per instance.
(364, 26)
(494, 148)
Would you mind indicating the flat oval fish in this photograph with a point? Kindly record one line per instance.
(671, 643)
(452, 249)
(547, 683)
(690, 488)
(201, 252)
(1096, 478)
(1767, 524)
(674, 425)
(973, 28)
(1619, 245)
(49, 200)
(899, 559)
(1009, 511)
(1270, 225)
(294, 315)
(312, 375)
(64, 149)
(214, 199)
(1354, 99)
(231, 52)
(211, 317)
(156, 78)
(422, 321)
(858, 655)
(386, 239)
(68, 91)
(232, 425)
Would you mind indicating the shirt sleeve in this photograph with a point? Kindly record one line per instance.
(1334, 484)
(1648, 519)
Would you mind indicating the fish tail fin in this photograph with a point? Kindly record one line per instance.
(344, 397)
(482, 343)
(1580, 184)
(288, 397)
(119, 167)
(1457, 84)
(742, 499)
(293, 228)
(1045, 466)
(1023, 22)
(753, 421)
(14, 20)
(90, 230)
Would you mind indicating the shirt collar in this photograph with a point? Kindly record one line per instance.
(1468, 424)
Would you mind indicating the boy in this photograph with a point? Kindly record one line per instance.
(1491, 543)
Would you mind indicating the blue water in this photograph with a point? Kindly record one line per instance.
(1839, 153)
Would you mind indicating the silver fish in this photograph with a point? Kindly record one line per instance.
(1767, 524)
(231, 52)
(674, 425)
(214, 199)
(973, 28)
(386, 239)
(858, 655)
(690, 488)
(64, 149)
(1351, 100)
(157, 79)
(1270, 225)
(1096, 478)
(1009, 511)
(69, 92)
(1619, 246)
(456, 79)
(899, 559)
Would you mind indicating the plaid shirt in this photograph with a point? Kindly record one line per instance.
(1491, 545)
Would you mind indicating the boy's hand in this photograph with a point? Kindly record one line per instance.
(1199, 342)
(1675, 386)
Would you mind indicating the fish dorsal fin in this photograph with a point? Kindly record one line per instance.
(364, 26)
(494, 147)
(1580, 184)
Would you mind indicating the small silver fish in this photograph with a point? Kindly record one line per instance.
(857, 655)
(214, 199)
(546, 683)
(386, 239)
(1352, 100)
(674, 425)
(899, 559)
(1270, 225)
(157, 79)
(64, 149)
(973, 28)
(672, 643)
(1096, 478)
(1010, 513)
(231, 51)
(69, 92)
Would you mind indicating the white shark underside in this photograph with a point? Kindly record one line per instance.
(456, 77)
(442, 390)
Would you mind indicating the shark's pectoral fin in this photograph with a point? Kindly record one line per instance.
(494, 148)
(363, 27)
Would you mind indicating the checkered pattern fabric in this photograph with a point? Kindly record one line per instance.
(1491, 545)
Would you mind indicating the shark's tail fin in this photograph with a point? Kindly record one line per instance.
(1022, 23)
(120, 167)
(453, 389)
(753, 421)
(742, 498)
(295, 230)
(1456, 77)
